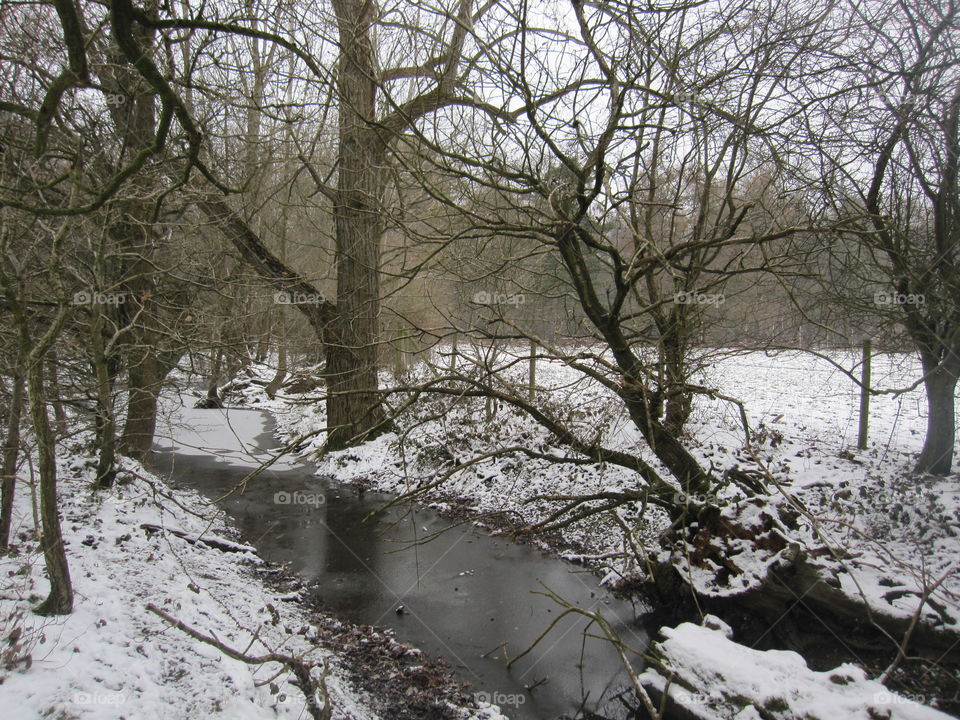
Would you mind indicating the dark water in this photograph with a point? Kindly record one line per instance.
(463, 594)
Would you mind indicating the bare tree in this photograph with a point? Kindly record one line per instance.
(887, 147)
(369, 119)
(34, 343)
(11, 449)
(646, 173)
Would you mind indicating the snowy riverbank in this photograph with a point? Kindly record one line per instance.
(900, 532)
(896, 535)
(112, 658)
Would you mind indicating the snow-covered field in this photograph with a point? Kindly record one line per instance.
(899, 531)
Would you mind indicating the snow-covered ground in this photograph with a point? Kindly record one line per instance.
(901, 531)
(112, 658)
(896, 535)
(707, 675)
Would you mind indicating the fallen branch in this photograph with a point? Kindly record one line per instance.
(902, 648)
(215, 543)
(300, 668)
(609, 633)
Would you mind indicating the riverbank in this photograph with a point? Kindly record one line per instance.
(897, 535)
(464, 596)
(899, 531)
(141, 543)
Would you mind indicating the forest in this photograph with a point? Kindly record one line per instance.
(479, 359)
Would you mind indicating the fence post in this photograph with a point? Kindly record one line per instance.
(865, 394)
(533, 371)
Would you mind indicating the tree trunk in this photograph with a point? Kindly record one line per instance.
(216, 370)
(643, 404)
(106, 439)
(937, 454)
(105, 422)
(354, 411)
(674, 345)
(146, 376)
(678, 460)
(60, 599)
(212, 400)
(679, 407)
(145, 347)
(273, 387)
(11, 453)
(54, 391)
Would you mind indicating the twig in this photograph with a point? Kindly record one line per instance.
(902, 647)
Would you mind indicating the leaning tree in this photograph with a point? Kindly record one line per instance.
(635, 153)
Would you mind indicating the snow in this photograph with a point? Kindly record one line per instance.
(228, 433)
(713, 677)
(900, 532)
(897, 535)
(112, 658)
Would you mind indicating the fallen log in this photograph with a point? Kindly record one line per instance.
(212, 542)
(745, 562)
